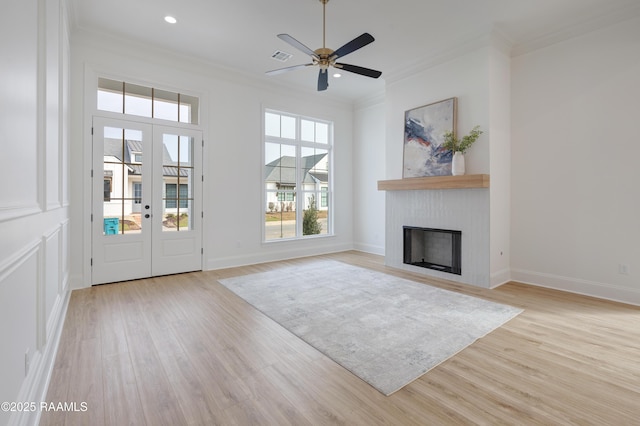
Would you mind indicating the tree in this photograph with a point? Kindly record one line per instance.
(310, 224)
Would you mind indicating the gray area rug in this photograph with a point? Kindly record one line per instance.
(386, 330)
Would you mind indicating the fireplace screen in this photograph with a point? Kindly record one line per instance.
(437, 249)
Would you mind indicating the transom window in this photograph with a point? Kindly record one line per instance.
(133, 99)
(297, 176)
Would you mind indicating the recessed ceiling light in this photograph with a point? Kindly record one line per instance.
(170, 19)
(337, 75)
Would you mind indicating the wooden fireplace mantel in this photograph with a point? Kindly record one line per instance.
(435, 182)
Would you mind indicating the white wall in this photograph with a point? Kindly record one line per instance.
(368, 168)
(500, 163)
(465, 77)
(575, 151)
(232, 118)
(34, 220)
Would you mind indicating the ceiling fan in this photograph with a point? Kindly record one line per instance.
(324, 57)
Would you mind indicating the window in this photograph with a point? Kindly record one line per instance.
(132, 99)
(107, 188)
(297, 176)
(137, 192)
(172, 198)
(324, 196)
(286, 193)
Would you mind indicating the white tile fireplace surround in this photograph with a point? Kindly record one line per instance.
(465, 210)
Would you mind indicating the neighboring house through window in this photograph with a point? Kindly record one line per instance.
(297, 176)
(137, 192)
(107, 185)
(172, 199)
(324, 197)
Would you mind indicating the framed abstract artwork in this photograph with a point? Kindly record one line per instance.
(424, 127)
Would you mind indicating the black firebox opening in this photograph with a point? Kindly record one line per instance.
(437, 249)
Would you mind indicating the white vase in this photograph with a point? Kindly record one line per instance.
(457, 164)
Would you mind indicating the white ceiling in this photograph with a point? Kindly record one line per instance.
(241, 35)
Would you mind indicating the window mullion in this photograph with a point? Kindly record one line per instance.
(299, 193)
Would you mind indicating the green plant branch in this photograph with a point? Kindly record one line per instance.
(451, 142)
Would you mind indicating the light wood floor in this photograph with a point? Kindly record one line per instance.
(184, 350)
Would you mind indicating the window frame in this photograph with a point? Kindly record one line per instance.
(144, 101)
(298, 194)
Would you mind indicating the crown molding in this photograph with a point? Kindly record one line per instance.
(490, 37)
(593, 23)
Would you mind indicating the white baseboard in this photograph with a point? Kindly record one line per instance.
(578, 286)
(496, 279)
(369, 248)
(272, 256)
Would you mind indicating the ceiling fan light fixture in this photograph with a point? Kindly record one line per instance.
(324, 57)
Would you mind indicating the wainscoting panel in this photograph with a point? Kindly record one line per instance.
(64, 256)
(18, 321)
(52, 277)
(34, 291)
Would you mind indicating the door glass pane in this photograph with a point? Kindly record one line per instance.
(185, 150)
(122, 181)
(177, 150)
(177, 205)
(177, 174)
(170, 150)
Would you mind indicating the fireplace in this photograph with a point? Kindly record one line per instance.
(438, 249)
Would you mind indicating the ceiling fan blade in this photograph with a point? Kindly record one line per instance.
(287, 69)
(353, 45)
(359, 70)
(323, 80)
(295, 43)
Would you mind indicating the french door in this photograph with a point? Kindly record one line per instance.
(147, 189)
